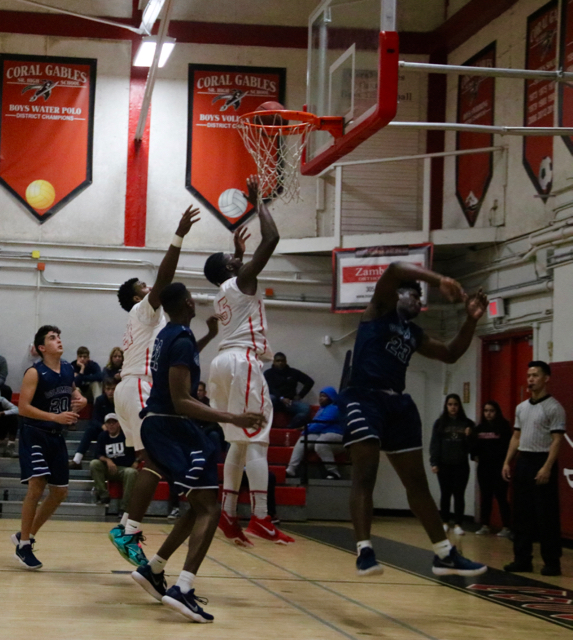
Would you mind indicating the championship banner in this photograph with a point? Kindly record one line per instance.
(356, 272)
(46, 129)
(476, 100)
(218, 164)
(565, 108)
(539, 103)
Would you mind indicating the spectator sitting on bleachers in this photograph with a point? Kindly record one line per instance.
(324, 431)
(102, 406)
(211, 429)
(115, 461)
(8, 425)
(88, 375)
(283, 384)
(113, 368)
(3, 374)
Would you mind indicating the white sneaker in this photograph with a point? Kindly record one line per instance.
(483, 531)
(458, 531)
(504, 533)
(446, 527)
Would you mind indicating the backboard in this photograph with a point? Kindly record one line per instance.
(352, 72)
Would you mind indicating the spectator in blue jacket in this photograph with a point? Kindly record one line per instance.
(324, 431)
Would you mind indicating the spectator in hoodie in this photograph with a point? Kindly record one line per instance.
(324, 431)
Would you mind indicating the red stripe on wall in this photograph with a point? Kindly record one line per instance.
(137, 165)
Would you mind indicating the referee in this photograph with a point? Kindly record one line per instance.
(539, 429)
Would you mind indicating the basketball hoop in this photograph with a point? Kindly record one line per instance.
(276, 140)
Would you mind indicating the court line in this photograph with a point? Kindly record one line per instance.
(281, 597)
(316, 583)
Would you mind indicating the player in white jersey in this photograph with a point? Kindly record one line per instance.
(146, 319)
(236, 381)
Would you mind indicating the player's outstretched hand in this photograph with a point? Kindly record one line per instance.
(240, 238)
(67, 417)
(213, 324)
(253, 188)
(249, 420)
(476, 305)
(452, 290)
(188, 219)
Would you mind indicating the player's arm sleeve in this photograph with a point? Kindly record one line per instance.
(146, 314)
(557, 419)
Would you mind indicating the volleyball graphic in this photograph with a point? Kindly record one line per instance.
(233, 203)
(40, 194)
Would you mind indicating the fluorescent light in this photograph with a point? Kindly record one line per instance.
(144, 56)
(150, 14)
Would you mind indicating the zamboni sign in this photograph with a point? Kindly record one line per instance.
(358, 270)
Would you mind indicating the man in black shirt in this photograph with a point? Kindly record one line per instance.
(114, 461)
(283, 384)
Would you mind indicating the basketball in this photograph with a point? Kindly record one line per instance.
(233, 203)
(40, 194)
(273, 119)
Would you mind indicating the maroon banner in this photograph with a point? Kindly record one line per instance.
(46, 129)
(476, 101)
(539, 103)
(218, 163)
(565, 108)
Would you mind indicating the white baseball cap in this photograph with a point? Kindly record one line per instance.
(111, 416)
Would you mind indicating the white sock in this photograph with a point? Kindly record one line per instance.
(124, 519)
(131, 527)
(229, 502)
(232, 476)
(78, 457)
(157, 564)
(259, 504)
(185, 581)
(23, 543)
(257, 468)
(362, 545)
(442, 549)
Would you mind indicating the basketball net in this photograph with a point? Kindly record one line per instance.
(276, 148)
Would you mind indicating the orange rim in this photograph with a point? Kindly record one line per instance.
(304, 122)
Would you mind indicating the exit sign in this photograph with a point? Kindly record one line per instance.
(496, 308)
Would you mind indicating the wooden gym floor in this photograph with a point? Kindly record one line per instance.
(308, 590)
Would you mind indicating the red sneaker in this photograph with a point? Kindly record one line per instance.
(264, 528)
(232, 530)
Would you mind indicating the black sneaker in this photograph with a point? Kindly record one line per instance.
(153, 583)
(518, 566)
(16, 537)
(186, 604)
(366, 564)
(25, 556)
(551, 570)
(455, 564)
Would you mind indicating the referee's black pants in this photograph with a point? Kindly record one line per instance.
(536, 510)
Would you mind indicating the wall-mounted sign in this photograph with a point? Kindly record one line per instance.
(46, 129)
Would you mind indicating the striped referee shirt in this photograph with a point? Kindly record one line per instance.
(537, 421)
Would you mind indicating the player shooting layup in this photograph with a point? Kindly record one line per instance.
(379, 416)
(146, 319)
(236, 381)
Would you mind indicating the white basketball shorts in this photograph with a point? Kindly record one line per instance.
(129, 398)
(236, 384)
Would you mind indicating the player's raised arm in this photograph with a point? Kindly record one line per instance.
(386, 292)
(212, 331)
(247, 277)
(168, 265)
(452, 351)
(185, 404)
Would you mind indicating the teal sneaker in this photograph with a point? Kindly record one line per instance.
(116, 532)
(129, 546)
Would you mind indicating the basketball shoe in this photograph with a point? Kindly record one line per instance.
(153, 583)
(25, 556)
(129, 546)
(232, 530)
(187, 604)
(264, 528)
(16, 537)
(455, 564)
(116, 532)
(366, 564)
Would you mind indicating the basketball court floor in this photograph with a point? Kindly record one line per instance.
(308, 590)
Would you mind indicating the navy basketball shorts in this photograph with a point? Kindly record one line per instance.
(43, 453)
(183, 453)
(392, 419)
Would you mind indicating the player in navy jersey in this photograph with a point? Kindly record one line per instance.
(378, 415)
(182, 452)
(48, 402)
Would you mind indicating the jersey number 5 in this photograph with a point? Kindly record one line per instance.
(224, 311)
